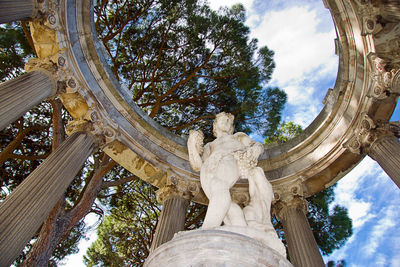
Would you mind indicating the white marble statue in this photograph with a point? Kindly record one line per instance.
(222, 163)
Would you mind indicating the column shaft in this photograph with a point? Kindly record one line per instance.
(303, 249)
(19, 95)
(172, 220)
(390, 10)
(386, 151)
(12, 10)
(25, 209)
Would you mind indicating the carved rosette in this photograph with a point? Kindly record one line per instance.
(375, 14)
(368, 13)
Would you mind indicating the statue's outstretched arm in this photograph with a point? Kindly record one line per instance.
(195, 149)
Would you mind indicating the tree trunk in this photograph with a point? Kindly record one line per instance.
(59, 223)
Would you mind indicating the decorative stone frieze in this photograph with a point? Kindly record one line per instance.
(376, 14)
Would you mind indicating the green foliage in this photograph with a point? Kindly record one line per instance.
(35, 144)
(340, 263)
(331, 228)
(14, 51)
(184, 63)
(285, 132)
(124, 236)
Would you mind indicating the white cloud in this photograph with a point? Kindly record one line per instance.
(381, 228)
(395, 261)
(300, 49)
(381, 260)
(215, 4)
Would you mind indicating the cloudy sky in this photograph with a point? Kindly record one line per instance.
(302, 35)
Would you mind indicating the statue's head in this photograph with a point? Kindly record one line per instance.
(223, 123)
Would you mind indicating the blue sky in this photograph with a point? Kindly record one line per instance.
(302, 34)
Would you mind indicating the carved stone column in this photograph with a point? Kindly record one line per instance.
(19, 95)
(390, 9)
(303, 249)
(380, 141)
(25, 209)
(173, 215)
(12, 10)
(386, 151)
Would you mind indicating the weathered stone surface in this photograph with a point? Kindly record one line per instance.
(172, 217)
(303, 249)
(25, 209)
(214, 248)
(386, 151)
(19, 95)
(317, 155)
(12, 10)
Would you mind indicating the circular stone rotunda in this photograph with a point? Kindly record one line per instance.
(71, 66)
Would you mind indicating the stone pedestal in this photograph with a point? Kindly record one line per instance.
(200, 248)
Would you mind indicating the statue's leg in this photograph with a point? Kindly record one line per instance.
(235, 215)
(219, 203)
(218, 184)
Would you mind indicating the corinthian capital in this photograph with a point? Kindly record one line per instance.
(366, 133)
(93, 124)
(386, 80)
(289, 196)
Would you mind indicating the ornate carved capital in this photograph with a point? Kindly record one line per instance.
(386, 80)
(366, 133)
(177, 186)
(170, 191)
(289, 196)
(94, 125)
